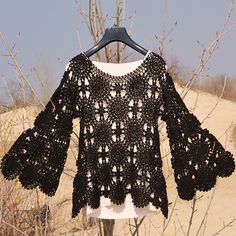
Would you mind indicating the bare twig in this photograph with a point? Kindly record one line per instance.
(171, 214)
(100, 227)
(218, 100)
(19, 68)
(79, 40)
(154, 224)
(181, 226)
(95, 21)
(46, 220)
(192, 214)
(206, 213)
(208, 52)
(8, 91)
(229, 224)
(164, 37)
(12, 226)
(137, 225)
(129, 224)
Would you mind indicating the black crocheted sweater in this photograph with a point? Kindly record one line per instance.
(119, 147)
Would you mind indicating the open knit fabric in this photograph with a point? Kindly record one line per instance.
(108, 209)
(119, 147)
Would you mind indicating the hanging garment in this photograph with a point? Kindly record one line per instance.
(119, 148)
(107, 209)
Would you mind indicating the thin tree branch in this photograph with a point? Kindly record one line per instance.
(208, 52)
(19, 68)
(12, 226)
(229, 224)
(192, 214)
(171, 214)
(206, 213)
(218, 100)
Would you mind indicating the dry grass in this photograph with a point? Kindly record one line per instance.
(215, 85)
(212, 85)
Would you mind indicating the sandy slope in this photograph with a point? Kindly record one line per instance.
(223, 207)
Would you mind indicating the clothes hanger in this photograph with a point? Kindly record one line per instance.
(115, 34)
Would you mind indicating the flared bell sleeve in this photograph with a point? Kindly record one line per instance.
(38, 156)
(197, 156)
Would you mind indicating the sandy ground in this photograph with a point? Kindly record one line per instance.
(222, 209)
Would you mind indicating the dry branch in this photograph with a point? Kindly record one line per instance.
(23, 76)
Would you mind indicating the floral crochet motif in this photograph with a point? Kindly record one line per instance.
(119, 147)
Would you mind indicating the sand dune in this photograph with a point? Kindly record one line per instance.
(223, 208)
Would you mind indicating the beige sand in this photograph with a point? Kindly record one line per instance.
(223, 207)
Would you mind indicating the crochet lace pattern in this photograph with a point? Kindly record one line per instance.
(119, 146)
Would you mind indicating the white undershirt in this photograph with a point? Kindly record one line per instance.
(107, 209)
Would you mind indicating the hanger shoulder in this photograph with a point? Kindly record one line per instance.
(116, 34)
